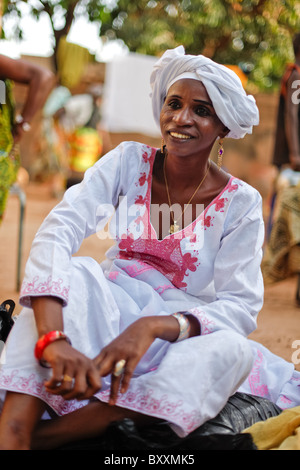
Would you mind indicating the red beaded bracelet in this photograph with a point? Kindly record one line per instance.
(44, 341)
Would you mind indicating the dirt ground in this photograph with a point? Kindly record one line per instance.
(279, 320)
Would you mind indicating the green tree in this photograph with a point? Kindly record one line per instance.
(254, 34)
(61, 14)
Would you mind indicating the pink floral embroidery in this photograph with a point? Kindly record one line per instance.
(207, 221)
(140, 200)
(161, 289)
(166, 257)
(146, 177)
(285, 399)
(144, 401)
(113, 275)
(142, 179)
(189, 262)
(49, 286)
(254, 378)
(126, 243)
(146, 156)
(232, 187)
(162, 406)
(220, 204)
(207, 325)
(136, 269)
(33, 385)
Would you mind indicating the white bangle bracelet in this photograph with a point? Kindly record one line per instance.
(184, 326)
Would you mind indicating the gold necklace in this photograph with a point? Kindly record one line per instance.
(175, 227)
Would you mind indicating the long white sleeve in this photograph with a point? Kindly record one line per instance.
(80, 214)
(237, 275)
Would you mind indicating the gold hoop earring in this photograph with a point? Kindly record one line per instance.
(220, 154)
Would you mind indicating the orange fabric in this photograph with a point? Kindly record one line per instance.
(85, 148)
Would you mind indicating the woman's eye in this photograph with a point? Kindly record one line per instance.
(174, 104)
(202, 111)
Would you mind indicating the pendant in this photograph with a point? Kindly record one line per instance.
(174, 227)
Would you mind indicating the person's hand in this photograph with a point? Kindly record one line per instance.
(130, 346)
(295, 162)
(74, 376)
(17, 133)
(19, 128)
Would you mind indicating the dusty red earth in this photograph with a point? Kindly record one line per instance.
(279, 320)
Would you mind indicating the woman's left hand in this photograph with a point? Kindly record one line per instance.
(133, 343)
(130, 346)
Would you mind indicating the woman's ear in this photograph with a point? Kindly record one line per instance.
(224, 133)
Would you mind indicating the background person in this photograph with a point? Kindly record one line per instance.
(83, 139)
(282, 254)
(40, 82)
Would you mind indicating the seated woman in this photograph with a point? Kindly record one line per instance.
(157, 330)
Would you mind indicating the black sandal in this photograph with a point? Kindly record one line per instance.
(6, 322)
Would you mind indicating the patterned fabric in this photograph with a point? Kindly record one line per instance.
(9, 156)
(85, 148)
(282, 255)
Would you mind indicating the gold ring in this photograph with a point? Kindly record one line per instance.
(119, 368)
(67, 378)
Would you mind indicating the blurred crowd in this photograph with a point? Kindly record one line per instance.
(73, 138)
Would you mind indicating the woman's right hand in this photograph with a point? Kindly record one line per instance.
(74, 376)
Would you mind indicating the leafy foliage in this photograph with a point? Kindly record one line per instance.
(254, 34)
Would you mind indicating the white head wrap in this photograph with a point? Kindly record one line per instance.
(235, 109)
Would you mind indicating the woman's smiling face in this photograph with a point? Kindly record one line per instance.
(188, 121)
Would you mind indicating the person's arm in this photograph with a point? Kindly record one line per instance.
(61, 357)
(40, 82)
(291, 120)
(133, 343)
(48, 271)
